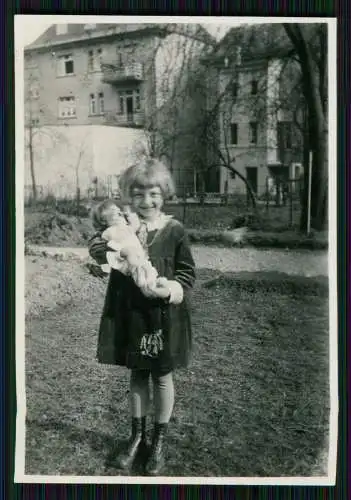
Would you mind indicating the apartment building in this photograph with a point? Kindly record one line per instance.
(256, 129)
(92, 74)
(98, 76)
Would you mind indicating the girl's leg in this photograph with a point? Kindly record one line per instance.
(139, 393)
(164, 401)
(163, 397)
(139, 402)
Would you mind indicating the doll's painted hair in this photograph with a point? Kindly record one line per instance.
(100, 213)
(147, 173)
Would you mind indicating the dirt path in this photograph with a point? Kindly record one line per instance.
(294, 262)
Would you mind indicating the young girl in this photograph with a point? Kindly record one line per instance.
(149, 335)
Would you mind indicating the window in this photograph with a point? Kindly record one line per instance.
(101, 103)
(235, 88)
(284, 133)
(288, 135)
(30, 62)
(95, 60)
(61, 29)
(92, 106)
(238, 56)
(65, 65)
(67, 107)
(34, 93)
(96, 106)
(124, 95)
(234, 133)
(89, 27)
(90, 60)
(35, 122)
(119, 58)
(121, 104)
(254, 87)
(99, 59)
(137, 100)
(253, 132)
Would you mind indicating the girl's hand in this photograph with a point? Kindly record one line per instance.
(162, 292)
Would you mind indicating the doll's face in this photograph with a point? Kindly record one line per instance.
(113, 215)
(147, 201)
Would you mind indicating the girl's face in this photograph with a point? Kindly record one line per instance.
(147, 201)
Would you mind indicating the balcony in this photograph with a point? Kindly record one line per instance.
(133, 120)
(115, 74)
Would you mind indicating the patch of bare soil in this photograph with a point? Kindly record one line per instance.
(53, 228)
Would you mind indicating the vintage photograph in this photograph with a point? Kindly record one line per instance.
(176, 250)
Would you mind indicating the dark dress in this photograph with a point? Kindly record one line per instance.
(143, 333)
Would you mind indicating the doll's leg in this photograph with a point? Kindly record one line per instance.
(139, 402)
(164, 401)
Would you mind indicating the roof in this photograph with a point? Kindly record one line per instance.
(256, 41)
(78, 32)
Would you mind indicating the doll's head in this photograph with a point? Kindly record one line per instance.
(106, 214)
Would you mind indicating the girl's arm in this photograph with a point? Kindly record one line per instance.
(184, 275)
(185, 265)
(100, 251)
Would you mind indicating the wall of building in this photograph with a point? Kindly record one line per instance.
(60, 153)
(41, 73)
(164, 61)
(263, 109)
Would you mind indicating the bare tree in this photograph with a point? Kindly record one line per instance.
(302, 96)
(310, 44)
(36, 113)
(41, 134)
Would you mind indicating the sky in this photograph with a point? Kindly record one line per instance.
(31, 27)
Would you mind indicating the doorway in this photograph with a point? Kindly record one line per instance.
(251, 177)
(130, 109)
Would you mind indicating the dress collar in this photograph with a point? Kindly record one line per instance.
(158, 223)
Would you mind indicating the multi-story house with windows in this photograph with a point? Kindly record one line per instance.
(258, 113)
(92, 91)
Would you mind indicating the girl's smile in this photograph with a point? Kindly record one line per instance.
(147, 201)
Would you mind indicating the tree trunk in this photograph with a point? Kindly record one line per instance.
(202, 191)
(312, 83)
(250, 192)
(319, 187)
(31, 165)
(304, 179)
(304, 190)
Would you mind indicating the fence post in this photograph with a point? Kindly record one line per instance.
(291, 202)
(309, 194)
(267, 194)
(78, 200)
(184, 206)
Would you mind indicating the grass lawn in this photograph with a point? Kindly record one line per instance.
(254, 402)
